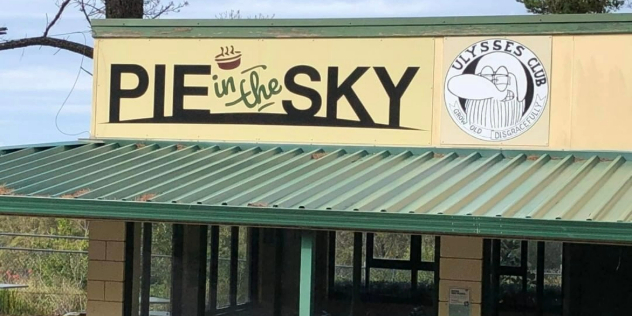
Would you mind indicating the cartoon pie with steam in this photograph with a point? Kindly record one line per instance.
(228, 59)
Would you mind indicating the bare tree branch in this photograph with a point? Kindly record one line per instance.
(82, 8)
(236, 15)
(95, 11)
(90, 9)
(61, 10)
(161, 11)
(50, 42)
(165, 9)
(153, 9)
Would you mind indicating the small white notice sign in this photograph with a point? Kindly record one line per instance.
(459, 302)
(459, 297)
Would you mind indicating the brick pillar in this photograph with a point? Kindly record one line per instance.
(106, 255)
(461, 267)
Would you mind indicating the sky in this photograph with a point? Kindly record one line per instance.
(35, 82)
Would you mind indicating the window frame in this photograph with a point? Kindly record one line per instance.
(493, 270)
(252, 257)
(414, 264)
(210, 266)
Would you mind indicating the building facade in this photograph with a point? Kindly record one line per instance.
(433, 166)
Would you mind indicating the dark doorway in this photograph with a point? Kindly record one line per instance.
(599, 280)
(522, 278)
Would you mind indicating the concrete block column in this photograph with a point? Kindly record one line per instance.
(106, 255)
(461, 266)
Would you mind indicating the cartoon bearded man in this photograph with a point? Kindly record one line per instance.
(495, 93)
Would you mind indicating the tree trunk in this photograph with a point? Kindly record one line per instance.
(124, 9)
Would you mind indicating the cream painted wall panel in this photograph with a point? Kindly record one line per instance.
(561, 92)
(437, 94)
(588, 105)
(452, 135)
(95, 90)
(602, 93)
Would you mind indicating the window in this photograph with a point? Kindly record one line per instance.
(159, 271)
(390, 268)
(523, 276)
(230, 271)
(209, 267)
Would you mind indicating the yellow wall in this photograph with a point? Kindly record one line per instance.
(590, 94)
(589, 101)
(278, 56)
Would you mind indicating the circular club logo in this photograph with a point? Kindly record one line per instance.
(496, 90)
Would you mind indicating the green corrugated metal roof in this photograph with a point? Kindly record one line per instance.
(509, 193)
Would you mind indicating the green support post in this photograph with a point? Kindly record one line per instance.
(307, 269)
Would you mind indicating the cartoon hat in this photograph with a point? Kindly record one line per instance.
(497, 76)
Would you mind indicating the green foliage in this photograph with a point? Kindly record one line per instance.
(11, 304)
(391, 246)
(42, 300)
(391, 283)
(511, 295)
(57, 281)
(223, 286)
(510, 255)
(160, 283)
(572, 6)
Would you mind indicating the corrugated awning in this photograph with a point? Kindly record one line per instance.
(556, 195)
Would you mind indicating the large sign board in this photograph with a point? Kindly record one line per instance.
(496, 91)
(340, 91)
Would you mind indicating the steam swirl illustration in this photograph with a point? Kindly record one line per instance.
(229, 58)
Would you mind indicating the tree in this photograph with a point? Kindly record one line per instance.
(572, 6)
(236, 15)
(124, 9)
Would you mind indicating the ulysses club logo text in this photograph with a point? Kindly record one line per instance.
(247, 93)
(496, 90)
